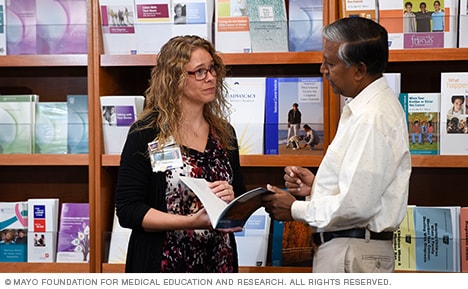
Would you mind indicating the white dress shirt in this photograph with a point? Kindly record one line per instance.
(363, 179)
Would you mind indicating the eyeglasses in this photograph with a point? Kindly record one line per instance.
(200, 74)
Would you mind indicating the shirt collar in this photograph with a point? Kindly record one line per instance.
(365, 96)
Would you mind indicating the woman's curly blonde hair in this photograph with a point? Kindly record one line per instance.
(166, 88)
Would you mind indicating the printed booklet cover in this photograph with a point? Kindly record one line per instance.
(362, 8)
(118, 114)
(62, 26)
(297, 132)
(437, 238)
(42, 229)
(420, 24)
(73, 242)
(463, 24)
(222, 214)
(118, 26)
(13, 229)
(252, 241)
(453, 113)
(51, 128)
(195, 18)
(17, 118)
(268, 25)
(21, 26)
(77, 133)
(246, 96)
(422, 115)
(118, 242)
(152, 17)
(305, 24)
(232, 26)
(405, 242)
(3, 39)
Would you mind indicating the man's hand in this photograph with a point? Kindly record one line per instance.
(278, 205)
(298, 180)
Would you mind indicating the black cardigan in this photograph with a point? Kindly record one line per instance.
(135, 195)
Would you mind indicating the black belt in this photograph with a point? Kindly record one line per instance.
(351, 233)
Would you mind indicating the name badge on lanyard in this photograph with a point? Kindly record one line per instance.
(166, 157)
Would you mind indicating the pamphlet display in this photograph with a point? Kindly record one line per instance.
(14, 231)
(252, 241)
(232, 27)
(42, 229)
(246, 95)
(118, 26)
(118, 114)
(51, 128)
(74, 240)
(77, 109)
(17, 123)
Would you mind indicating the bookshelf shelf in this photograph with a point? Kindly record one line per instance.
(44, 160)
(92, 177)
(44, 60)
(229, 59)
(437, 161)
(415, 55)
(247, 160)
(120, 268)
(10, 267)
(418, 161)
(420, 55)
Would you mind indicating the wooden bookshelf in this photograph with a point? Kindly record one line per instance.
(44, 160)
(92, 177)
(418, 161)
(415, 55)
(120, 268)
(44, 60)
(19, 267)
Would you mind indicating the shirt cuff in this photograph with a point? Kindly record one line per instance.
(299, 210)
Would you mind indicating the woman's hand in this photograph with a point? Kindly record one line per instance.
(231, 230)
(202, 220)
(223, 190)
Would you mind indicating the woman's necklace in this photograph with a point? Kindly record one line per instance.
(196, 131)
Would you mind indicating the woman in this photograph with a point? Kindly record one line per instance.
(409, 18)
(184, 112)
(179, 16)
(309, 137)
(437, 17)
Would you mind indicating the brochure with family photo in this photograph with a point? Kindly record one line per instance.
(222, 214)
(453, 113)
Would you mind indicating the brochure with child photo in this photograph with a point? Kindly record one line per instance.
(222, 214)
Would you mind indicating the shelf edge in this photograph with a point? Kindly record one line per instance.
(44, 160)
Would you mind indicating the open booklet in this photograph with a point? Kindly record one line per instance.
(222, 214)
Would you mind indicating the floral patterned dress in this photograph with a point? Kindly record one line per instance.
(202, 251)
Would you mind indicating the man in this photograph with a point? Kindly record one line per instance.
(294, 122)
(423, 19)
(360, 192)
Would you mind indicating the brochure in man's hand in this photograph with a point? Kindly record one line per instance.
(222, 214)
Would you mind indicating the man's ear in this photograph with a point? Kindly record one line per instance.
(360, 71)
